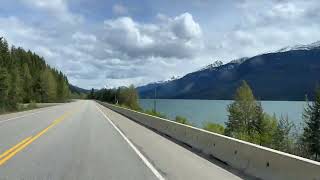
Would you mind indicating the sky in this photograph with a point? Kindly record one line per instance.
(109, 43)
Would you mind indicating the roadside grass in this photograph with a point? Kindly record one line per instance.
(20, 108)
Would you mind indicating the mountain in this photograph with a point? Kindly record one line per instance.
(78, 90)
(287, 74)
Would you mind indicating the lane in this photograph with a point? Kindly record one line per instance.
(82, 146)
(174, 161)
(136, 150)
(17, 126)
(18, 115)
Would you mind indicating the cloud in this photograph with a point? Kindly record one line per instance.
(285, 10)
(178, 37)
(120, 51)
(185, 27)
(269, 26)
(146, 42)
(79, 36)
(56, 8)
(20, 33)
(119, 9)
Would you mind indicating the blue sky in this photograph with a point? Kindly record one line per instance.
(111, 43)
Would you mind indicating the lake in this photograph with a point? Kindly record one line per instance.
(201, 111)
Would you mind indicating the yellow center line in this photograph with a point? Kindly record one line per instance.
(23, 144)
(14, 147)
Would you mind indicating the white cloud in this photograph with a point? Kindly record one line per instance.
(178, 37)
(119, 9)
(20, 33)
(287, 10)
(79, 36)
(185, 27)
(125, 33)
(55, 8)
(268, 26)
(52, 4)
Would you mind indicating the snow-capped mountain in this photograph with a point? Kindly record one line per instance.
(315, 45)
(287, 74)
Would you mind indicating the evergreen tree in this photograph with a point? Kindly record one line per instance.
(4, 88)
(26, 84)
(4, 53)
(281, 140)
(259, 125)
(48, 86)
(37, 90)
(311, 133)
(14, 95)
(62, 88)
(91, 95)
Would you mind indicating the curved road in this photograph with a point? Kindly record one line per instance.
(84, 140)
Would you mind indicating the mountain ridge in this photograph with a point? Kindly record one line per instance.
(288, 74)
(78, 90)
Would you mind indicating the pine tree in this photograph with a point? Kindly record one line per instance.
(15, 88)
(281, 139)
(91, 95)
(37, 90)
(311, 133)
(48, 86)
(62, 88)
(260, 125)
(4, 88)
(26, 84)
(4, 53)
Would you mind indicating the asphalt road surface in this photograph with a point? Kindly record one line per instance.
(84, 140)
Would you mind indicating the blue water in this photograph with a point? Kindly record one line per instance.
(200, 111)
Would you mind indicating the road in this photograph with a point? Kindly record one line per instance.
(84, 140)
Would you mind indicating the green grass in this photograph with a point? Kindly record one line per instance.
(20, 108)
(155, 113)
(182, 120)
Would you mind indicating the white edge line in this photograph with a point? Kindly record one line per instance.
(144, 159)
(29, 114)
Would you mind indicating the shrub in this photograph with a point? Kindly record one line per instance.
(182, 120)
(155, 113)
(32, 105)
(214, 127)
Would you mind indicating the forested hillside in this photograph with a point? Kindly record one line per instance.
(25, 77)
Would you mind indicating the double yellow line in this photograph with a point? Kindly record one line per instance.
(4, 157)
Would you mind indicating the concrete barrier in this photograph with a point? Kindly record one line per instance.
(251, 159)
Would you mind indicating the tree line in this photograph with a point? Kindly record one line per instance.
(25, 77)
(124, 96)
